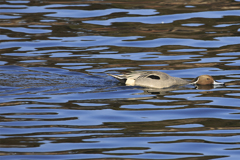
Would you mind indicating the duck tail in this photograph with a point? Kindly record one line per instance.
(121, 78)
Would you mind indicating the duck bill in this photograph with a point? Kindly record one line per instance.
(217, 83)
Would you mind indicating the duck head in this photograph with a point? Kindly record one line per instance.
(205, 80)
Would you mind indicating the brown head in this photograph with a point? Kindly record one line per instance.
(205, 80)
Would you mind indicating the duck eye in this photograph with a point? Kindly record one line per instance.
(153, 77)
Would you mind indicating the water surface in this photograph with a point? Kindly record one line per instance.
(57, 101)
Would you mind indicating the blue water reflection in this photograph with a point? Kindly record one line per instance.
(57, 101)
(167, 18)
(120, 42)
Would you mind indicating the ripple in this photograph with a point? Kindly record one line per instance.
(26, 30)
(57, 102)
(166, 18)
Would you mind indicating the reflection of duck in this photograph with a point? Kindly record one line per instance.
(156, 79)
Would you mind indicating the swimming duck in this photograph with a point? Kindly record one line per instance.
(156, 79)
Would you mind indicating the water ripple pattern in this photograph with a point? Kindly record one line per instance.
(57, 101)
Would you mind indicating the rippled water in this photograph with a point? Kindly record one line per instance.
(57, 102)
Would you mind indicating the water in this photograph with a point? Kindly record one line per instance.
(57, 102)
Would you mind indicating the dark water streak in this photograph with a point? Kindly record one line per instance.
(57, 102)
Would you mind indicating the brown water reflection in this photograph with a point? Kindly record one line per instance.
(57, 102)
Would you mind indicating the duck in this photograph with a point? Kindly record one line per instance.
(157, 79)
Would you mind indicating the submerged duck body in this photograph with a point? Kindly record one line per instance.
(156, 79)
(153, 79)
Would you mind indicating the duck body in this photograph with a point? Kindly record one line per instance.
(156, 79)
(153, 79)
